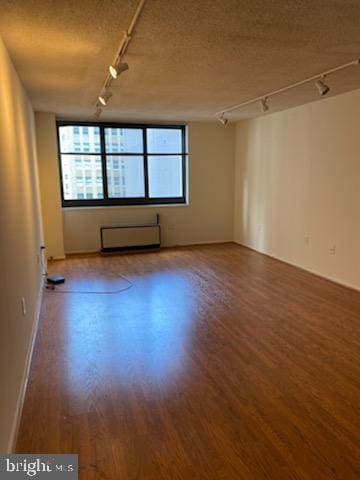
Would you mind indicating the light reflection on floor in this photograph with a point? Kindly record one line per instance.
(138, 336)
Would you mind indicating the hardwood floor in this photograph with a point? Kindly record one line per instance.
(218, 363)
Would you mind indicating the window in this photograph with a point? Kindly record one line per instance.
(125, 164)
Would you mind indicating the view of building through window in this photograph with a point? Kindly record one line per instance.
(139, 162)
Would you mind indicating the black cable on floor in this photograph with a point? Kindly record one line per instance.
(53, 289)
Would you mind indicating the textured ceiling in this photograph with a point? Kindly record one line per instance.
(188, 58)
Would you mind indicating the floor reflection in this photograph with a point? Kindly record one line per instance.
(137, 336)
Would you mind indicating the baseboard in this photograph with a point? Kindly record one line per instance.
(301, 267)
(195, 244)
(21, 397)
(81, 252)
(198, 244)
(175, 245)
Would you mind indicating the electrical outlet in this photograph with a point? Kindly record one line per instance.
(307, 240)
(333, 250)
(171, 226)
(23, 306)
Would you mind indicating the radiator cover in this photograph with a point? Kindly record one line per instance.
(130, 237)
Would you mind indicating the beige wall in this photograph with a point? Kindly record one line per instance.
(297, 193)
(46, 141)
(208, 217)
(20, 240)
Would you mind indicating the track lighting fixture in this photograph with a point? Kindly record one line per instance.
(117, 67)
(104, 98)
(321, 86)
(264, 106)
(222, 119)
(115, 70)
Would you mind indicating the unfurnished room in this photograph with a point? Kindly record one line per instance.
(179, 239)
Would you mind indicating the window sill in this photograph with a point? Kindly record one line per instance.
(112, 207)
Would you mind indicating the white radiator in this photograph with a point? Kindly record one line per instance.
(130, 237)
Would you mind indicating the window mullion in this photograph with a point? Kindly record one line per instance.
(146, 173)
(103, 162)
(184, 160)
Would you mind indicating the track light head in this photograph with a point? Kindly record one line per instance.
(222, 119)
(104, 98)
(321, 86)
(264, 106)
(118, 68)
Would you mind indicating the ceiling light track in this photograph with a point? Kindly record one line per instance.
(320, 84)
(117, 66)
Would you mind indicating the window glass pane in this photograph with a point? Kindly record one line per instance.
(165, 176)
(79, 139)
(164, 140)
(125, 176)
(128, 140)
(81, 177)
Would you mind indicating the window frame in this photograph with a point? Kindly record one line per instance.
(129, 201)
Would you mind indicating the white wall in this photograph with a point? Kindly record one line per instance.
(297, 186)
(20, 240)
(208, 217)
(46, 141)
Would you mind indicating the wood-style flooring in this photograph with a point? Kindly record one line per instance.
(218, 363)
